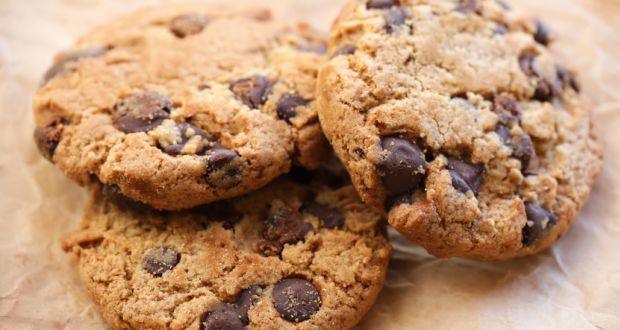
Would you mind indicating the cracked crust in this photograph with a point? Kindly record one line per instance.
(436, 79)
(220, 259)
(144, 53)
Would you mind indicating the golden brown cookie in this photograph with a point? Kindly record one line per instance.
(455, 117)
(184, 105)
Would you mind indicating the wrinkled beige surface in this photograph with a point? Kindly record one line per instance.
(576, 285)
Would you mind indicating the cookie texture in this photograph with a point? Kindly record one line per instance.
(289, 256)
(455, 118)
(183, 105)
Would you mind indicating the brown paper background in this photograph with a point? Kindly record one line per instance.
(575, 285)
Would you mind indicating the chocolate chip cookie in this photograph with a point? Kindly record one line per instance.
(455, 117)
(184, 105)
(289, 256)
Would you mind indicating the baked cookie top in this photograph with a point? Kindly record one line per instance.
(289, 256)
(455, 117)
(184, 105)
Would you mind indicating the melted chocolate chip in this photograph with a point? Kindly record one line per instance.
(526, 61)
(468, 6)
(248, 298)
(403, 167)
(48, 137)
(465, 177)
(296, 299)
(186, 25)
(283, 226)
(188, 132)
(544, 91)
(567, 79)
(252, 91)
(288, 105)
(224, 168)
(345, 50)
(222, 317)
(330, 217)
(395, 18)
(71, 57)
(380, 4)
(161, 259)
(141, 112)
(543, 35)
(539, 222)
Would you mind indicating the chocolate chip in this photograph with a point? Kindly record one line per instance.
(248, 298)
(507, 109)
(222, 211)
(222, 317)
(539, 222)
(505, 6)
(526, 61)
(296, 299)
(468, 6)
(330, 217)
(567, 79)
(396, 201)
(465, 177)
(403, 167)
(395, 18)
(544, 91)
(501, 29)
(224, 168)
(504, 134)
(524, 149)
(252, 91)
(345, 50)
(71, 57)
(188, 131)
(186, 25)
(543, 35)
(288, 105)
(141, 112)
(48, 137)
(161, 259)
(380, 4)
(283, 226)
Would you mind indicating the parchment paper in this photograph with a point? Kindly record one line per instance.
(575, 285)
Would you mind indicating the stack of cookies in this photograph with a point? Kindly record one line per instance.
(207, 138)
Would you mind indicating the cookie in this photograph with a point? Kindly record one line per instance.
(180, 106)
(455, 117)
(289, 256)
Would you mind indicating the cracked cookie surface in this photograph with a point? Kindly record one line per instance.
(184, 105)
(288, 256)
(455, 117)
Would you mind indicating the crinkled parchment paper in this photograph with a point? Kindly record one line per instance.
(575, 285)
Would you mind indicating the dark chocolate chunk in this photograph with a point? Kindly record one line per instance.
(465, 177)
(224, 168)
(68, 58)
(296, 299)
(188, 131)
(48, 137)
(161, 259)
(403, 166)
(345, 50)
(252, 91)
(468, 6)
(288, 105)
(248, 298)
(330, 217)
(524, 149)
(186, 25)
(539, 222)
(380, 4)
(395, 18)
(544, 91)
(543, 35)
(526, 61)
(392, 202)
(222, 317)
(507, 109)
(141, 112)
(283, 226)
(567, 79)
(504, 134)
